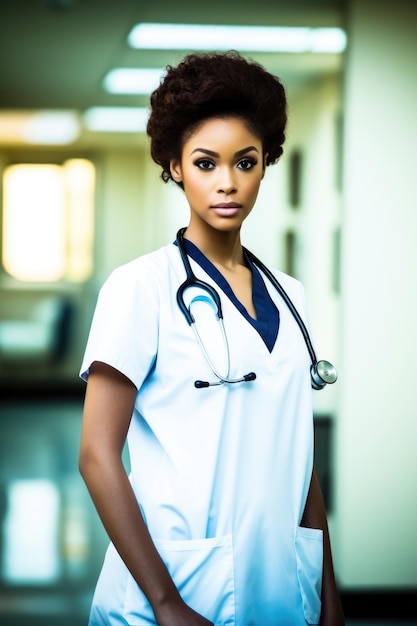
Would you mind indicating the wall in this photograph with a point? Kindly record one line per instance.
(377, 469)
(313, 132)
(369, 334)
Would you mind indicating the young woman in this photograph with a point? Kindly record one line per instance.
(221, 520)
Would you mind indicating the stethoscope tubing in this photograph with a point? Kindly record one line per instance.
(193, 281)
(287, 301)
(322, 372)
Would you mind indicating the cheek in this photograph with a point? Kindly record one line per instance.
(194, 186)
(253, 187)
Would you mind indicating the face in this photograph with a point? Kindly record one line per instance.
(221, 169)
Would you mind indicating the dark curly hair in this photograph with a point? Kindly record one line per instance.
(215, 85)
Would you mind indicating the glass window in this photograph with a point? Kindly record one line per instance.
(48, 219)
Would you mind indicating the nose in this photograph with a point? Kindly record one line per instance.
(227, 182)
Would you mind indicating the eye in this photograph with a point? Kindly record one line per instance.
(204, 164)
(246, 164)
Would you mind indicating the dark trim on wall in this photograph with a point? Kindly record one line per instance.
(27, 391)
(295, 178)
(380, 603)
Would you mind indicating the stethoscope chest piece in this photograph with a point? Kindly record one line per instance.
(322, 373)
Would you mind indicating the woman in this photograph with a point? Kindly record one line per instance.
(221, 520)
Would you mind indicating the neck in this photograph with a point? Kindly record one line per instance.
(222, 248)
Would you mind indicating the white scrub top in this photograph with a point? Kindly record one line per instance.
(221, 474)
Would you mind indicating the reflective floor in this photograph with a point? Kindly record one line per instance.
(51, 583)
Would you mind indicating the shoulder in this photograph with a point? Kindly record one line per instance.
(285, 281)
(144, 272)
(292, 286)
(289, 288)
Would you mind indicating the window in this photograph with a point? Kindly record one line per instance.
(48, 221)
(31, 532)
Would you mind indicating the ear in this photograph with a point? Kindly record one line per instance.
(175, 168)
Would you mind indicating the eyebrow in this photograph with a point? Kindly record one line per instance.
(216, 154)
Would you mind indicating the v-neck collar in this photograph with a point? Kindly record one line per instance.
(267, 315)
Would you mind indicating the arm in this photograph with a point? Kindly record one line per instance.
(315, 517)
(108, 408)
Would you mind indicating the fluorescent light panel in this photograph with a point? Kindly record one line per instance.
(48, 127)
(242, 38)
(129, 80)
(116, 119)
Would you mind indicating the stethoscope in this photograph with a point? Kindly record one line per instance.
(322, 372)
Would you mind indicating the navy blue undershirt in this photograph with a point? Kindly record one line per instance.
(267, 314)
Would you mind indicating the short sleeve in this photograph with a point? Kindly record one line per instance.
(124, 328)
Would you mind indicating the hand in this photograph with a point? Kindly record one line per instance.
(180, 614)
(332, 613)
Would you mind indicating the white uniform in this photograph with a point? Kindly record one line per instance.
(221, 474)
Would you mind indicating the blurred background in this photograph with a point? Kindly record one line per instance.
(80, 196)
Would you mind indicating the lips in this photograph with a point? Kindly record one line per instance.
(226, 205)
(226, 209)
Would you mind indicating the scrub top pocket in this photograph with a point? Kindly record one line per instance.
(309, 552)
(202, 570)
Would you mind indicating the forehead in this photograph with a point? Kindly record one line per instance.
(222, 130)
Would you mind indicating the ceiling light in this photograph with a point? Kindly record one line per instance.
(51, 127)
(116, 119)
(39, 127)
(132, 80)
(243, 38)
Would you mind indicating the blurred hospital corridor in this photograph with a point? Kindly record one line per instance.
(79, 196)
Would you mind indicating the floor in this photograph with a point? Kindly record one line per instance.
(50, 445)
